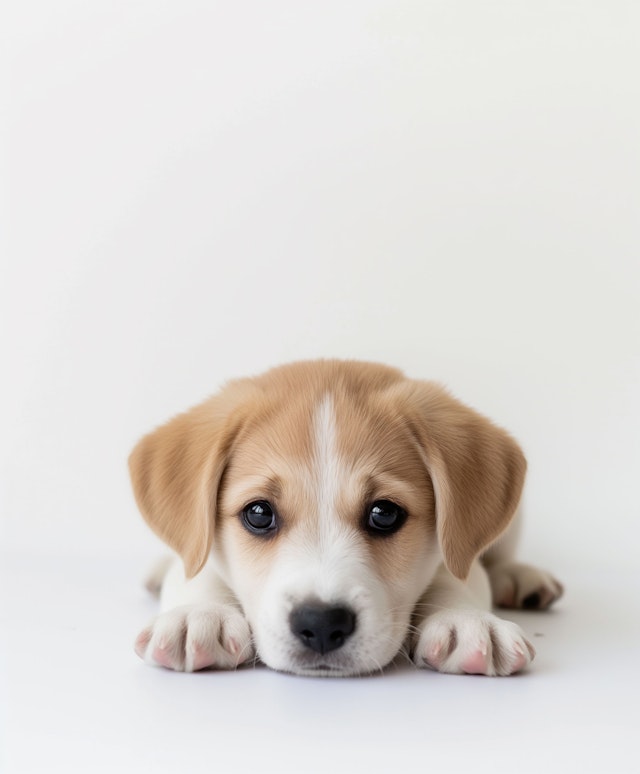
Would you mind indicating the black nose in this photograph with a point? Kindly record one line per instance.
(322, 628)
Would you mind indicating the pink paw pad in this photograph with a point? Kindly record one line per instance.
(201, 658)
(476, 663)
(433, 656)
(142, 640)
(161, 656)
(520, 660)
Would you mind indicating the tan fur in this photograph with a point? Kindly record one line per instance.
(477, 470)
(176, 470)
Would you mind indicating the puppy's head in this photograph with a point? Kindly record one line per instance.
(326, 494)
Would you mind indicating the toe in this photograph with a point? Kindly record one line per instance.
(476, 663)
(142, 640)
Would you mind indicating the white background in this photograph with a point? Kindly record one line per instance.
(193, 191)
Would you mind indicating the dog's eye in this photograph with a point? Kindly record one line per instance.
(385, 517)
(259, 517)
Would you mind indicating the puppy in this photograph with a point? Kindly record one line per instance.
(328, 515)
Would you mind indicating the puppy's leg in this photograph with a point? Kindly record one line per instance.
(456, 632)
(201, 624)
(155, 577)
(517, 585)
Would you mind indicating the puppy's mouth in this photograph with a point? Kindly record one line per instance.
(321, 670)
(327, 670)
(340, 667)
(300, 665)
(324, 668)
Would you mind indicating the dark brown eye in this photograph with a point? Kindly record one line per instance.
(259, 517)
(385, 517)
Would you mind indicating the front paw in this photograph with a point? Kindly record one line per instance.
(471, 642)
(195, 637)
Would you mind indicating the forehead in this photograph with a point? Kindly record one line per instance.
(328, 439)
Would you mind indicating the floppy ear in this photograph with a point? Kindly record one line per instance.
(477, 471)
(176, 471)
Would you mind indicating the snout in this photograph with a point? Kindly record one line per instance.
(322, 627)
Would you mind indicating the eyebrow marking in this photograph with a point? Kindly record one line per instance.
(261, 487)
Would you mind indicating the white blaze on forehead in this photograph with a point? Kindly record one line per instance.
(327, 467)
(332, 556)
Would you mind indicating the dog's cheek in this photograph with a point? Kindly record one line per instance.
(406, 564)
(246, 561)
(407, 560)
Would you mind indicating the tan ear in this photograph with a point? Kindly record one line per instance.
(477, 471)
(176, 471)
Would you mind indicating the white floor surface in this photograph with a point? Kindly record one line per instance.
(75, 697)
